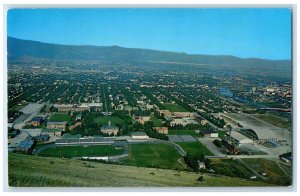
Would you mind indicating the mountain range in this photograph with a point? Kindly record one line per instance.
(19, 49)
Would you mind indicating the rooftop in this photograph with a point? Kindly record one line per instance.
(139, 134)
(57, 123)
(37, 118)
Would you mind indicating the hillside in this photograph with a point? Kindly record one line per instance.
(25, 49)
(34, 171)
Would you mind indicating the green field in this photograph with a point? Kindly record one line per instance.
(274, 120)
(221, 134)
(153, 155)
(273, 171)
(105, 119)
(195, 148)
(79, 151)
(156, 121)
(59, 117)
(35, 171)
(184, 132)
(174, 107)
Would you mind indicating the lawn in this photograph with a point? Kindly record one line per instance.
(184, 132)
(78, 151)
(59, 117)
(153, 155)
(35, 171)
(274, 120)
(156, 121)
(221, 134)
(195, 148)
(174, 107)
(105, 119)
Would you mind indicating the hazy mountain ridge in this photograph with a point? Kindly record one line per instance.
(20, 49)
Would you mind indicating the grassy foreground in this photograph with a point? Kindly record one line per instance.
(35, 171)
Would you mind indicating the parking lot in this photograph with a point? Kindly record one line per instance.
(181, 138)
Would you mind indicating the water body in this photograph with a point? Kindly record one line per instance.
(224, 91)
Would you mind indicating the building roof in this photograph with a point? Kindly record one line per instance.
(37, 118)
(26, 144)
(139, 134)
(238, 136)
(57, 123)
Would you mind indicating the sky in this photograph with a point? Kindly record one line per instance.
(256, 32)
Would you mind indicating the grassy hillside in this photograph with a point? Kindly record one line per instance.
(35, 171)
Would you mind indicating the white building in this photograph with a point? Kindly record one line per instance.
(139, 136)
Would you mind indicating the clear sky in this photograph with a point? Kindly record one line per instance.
(261, 33)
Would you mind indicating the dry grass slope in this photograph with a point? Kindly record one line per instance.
(34, 171)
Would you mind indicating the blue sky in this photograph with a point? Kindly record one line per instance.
(261, 33)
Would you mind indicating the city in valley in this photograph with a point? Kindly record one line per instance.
(89, 116)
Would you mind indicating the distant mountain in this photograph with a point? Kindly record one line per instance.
(24, 49)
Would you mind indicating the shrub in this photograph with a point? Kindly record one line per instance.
(200, 178)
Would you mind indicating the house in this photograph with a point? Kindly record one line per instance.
(139, 136)
(203, 122)
(141, 119)
(52, 132)
(209, 133)
(182, 121)
(163, 130)
(71, 107)
(183, 114)
(36, 121)
(26, 146)
(78, 117)
(165, 112)
(57, 125)
(201, 165)
(149, 106)
(109, 129)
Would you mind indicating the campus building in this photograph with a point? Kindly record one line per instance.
(109, 129)
(36, 121)
(139, 136)
(163, 130)
(57, 125)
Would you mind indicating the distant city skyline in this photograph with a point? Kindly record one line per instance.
(246, 33)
